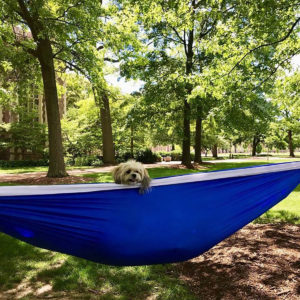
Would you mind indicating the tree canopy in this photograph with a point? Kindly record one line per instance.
(208, 68)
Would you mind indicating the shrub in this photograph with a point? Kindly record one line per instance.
(121, 157)
(97, 163)
(147, 156)
(176, 155)
(258, 148)
(23, 163)
(87, 161)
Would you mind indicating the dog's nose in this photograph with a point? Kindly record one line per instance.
(133, 175)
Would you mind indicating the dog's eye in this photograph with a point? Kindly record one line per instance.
(127, 172)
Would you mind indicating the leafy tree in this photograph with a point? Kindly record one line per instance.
(56, 28)
(81, 130)
(20, 85)
(205, 39)
(286, 97)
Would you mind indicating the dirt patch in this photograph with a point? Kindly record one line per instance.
(42, 179)
(258, 262)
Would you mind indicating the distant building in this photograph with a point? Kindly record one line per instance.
(167, 148)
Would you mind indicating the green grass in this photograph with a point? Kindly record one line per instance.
(22, 170)
(32, 267)
(286, 211)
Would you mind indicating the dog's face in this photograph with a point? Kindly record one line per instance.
(132, 172)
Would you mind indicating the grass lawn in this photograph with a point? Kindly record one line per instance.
(27, 271)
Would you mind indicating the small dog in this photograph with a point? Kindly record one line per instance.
(132, 172)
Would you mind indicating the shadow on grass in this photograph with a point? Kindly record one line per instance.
(75, 278)
(17, 259)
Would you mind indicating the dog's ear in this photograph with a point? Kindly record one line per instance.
(116, 173)
(145, 183)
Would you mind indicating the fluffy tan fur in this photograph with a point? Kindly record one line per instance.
(132, 172)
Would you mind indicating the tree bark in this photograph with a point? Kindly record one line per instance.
(131, 140)
(56, 158)
(45, 56)
(291, 146)
(198, 140)
(254, 145)
(214, 151)
(186, 141)
(107, 137)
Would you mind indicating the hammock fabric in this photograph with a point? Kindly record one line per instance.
(180, 218)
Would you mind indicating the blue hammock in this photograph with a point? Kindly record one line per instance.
(180, 218)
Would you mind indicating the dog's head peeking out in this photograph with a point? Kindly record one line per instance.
(132, 172)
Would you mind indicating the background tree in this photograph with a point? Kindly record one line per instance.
(54, 26)
(207, 38)
(286, 97)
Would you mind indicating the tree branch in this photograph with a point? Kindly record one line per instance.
(111, 60)
(66, 11)
(178, 35)
(72, 66)
(266, 45)
(280, 64)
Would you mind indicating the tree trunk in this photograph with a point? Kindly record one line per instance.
(198, 141)
(214, 151)
(131, 140)
(45, 56)
(56, 158)
(186, 141)
(107, 137)
(254, 145)
(291, 146)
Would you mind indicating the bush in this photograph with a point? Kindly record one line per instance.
(177, 156)
(122, 157)
(163, 153)
(87, 161)
(147, 157)
(97, 163)
(23, 163)
(258, 148)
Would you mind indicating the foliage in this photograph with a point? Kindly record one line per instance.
(219, 58)
(28, 134)
(193, 54)
(147, 156)
(87, 161)
(286, 98)
(22, 163)
(81, 130)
